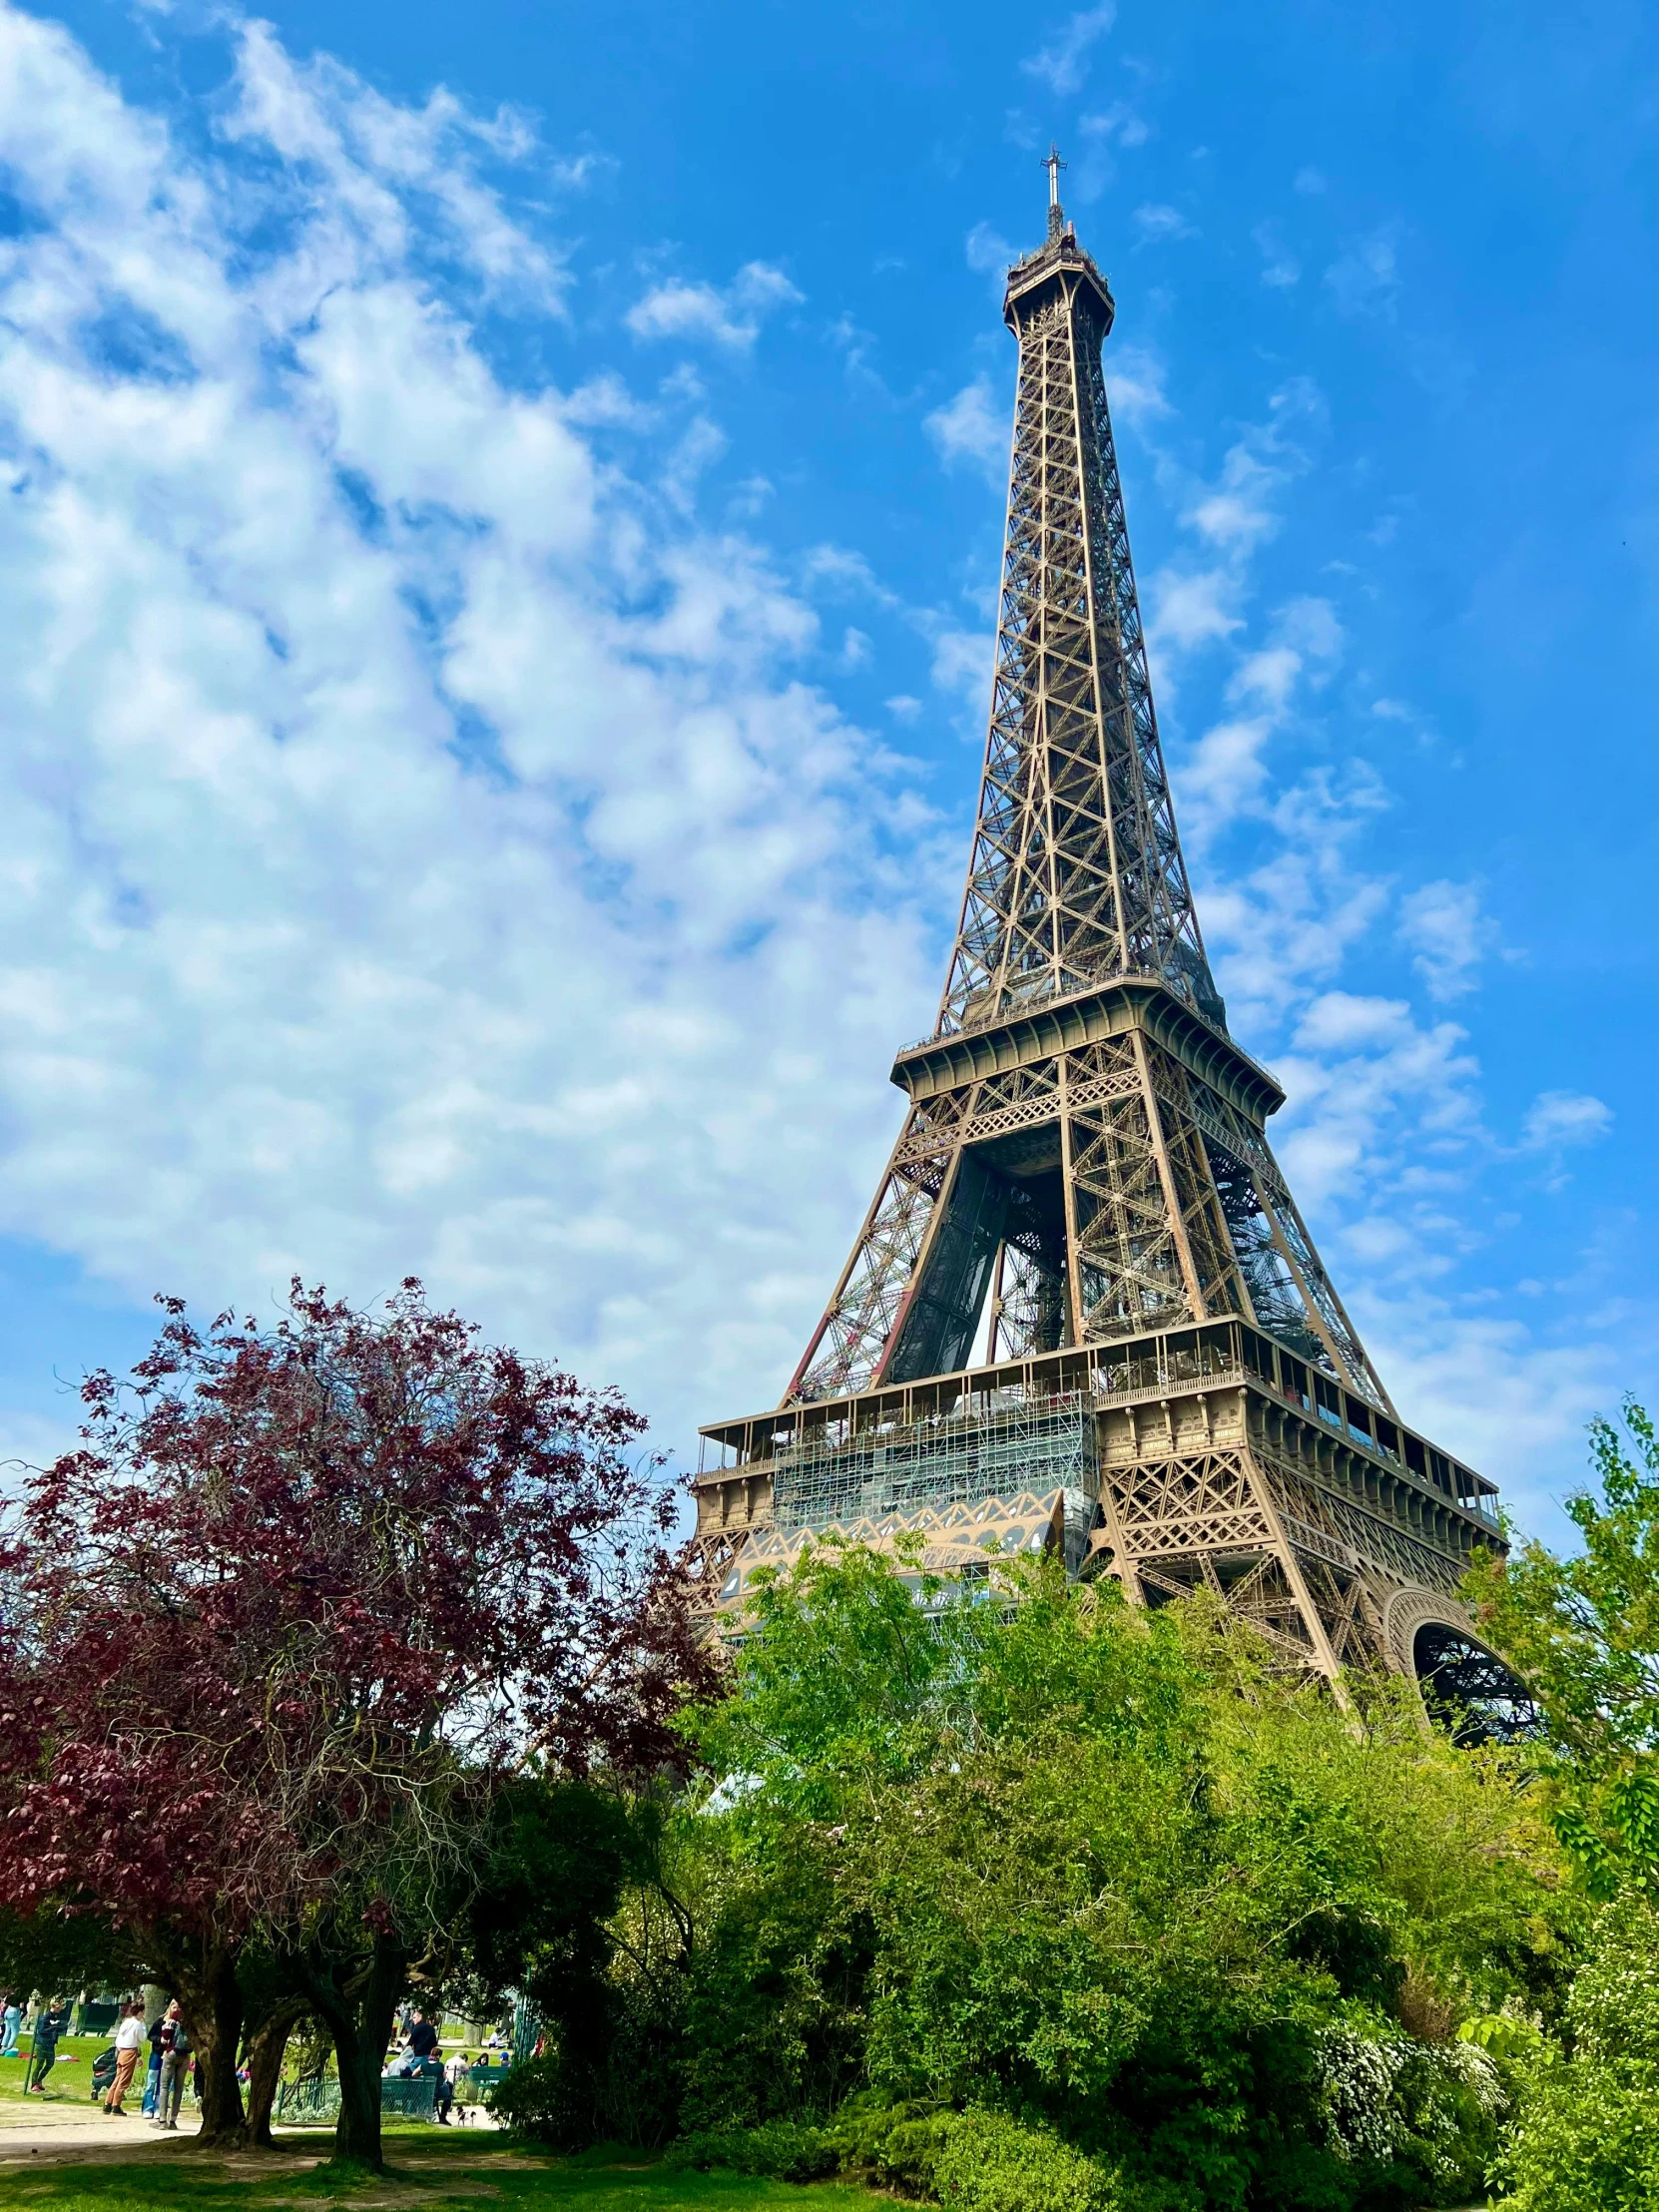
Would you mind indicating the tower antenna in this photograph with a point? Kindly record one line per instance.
(1057, 213)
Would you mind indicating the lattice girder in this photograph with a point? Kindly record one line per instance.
(1076, 873)
(1083, 1165)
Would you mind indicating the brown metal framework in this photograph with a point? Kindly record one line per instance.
(1084, 1166)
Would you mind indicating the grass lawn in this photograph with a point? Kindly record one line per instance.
(70, 2080)
(428, 2170)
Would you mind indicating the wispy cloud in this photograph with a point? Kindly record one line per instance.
(1117, 129)
(1190, 608)
(972, 428)
(1137, 387)
(731, 317)
(1154, 222)
(1063, 63)
(1449, 936)
(1118, 125)
(1557, 1119)
(373, 689)
(1279, 268)
(1365, 280)
(962, 667)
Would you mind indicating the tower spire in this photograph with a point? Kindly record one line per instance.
(1083, 1287)
(1057, 213)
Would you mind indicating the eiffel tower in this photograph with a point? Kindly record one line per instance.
(1083, 1314)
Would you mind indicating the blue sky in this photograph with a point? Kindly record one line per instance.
(505, 512)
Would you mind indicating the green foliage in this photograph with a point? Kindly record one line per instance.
(977, 2161)
(844, 1679)
(1583, 1632)
(989, 2163)
(1585, 2135)
(778, 2151)
(777, 1993)
(52, 1950)
(1502, 2036)
(896, 2146)
(1104, 1868)
(551, 1917)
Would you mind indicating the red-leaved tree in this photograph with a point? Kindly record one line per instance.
(273, 1636)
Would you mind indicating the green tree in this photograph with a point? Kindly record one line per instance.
(1585, 2135)
(1583, 1632)
(1109, 1869)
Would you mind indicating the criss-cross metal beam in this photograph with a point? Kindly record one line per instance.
(1084, 1160)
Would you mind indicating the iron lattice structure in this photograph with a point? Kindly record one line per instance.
(1083, 1183)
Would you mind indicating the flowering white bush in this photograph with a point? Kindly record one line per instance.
(1389, 2100)
(1357, 2077)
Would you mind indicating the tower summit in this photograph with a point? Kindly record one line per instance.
(1083, 1313)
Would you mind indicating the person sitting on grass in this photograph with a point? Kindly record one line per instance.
(42, 2051)
(129, 2041)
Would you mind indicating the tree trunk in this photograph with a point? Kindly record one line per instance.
(358, 2134)
(210, 1997)
(264, 2066)
(357, 2011)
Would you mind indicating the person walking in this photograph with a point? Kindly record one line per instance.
(129, 2041)
(11, 2019)
(50, 2023)
(176, 2057)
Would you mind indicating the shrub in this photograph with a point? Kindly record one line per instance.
(1416, 2121)
(1585, 2133)
(778, 2150)
(989, 2163)
(534, 2100)
(893, 2145)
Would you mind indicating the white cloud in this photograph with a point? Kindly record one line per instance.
(1190, 607)
(1365, 279)
(1487, 1387)
(733, 317)
(1238, 510)
(1155, 221)
(1119, 124)
(1557, 1119)
(423, 850)
(1305, 635)
(972, 428)
(1117, 127)
(1223, 776)
(990, 254)
(1063, 63)
(962, 667)
(1449, 936)
(1280, 266)
(1135, 384)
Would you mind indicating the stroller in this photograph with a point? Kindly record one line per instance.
(103, 2072)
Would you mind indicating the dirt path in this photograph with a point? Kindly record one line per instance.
(42, 2132)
